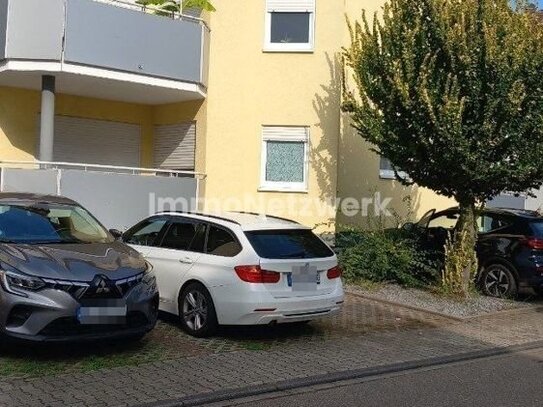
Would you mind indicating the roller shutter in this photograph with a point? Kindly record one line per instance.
(91, 141)
(175, 146)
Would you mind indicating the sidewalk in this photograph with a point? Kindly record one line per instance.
(366, 335)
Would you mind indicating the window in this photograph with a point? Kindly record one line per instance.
(180, 235)
(386, 170)
(284, 159)
(290, 25)
(220, 242)
(288, 244)
(145, 233)
(447, 221)
(489, 223)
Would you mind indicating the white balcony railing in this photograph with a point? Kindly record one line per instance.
(118, 196)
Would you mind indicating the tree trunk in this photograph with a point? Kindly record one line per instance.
(464, 241)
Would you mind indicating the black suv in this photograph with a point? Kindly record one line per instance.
(509, 247)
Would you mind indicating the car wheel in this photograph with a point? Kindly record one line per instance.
(498, 281)
(197, 312)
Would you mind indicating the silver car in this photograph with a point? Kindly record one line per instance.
(63, 276)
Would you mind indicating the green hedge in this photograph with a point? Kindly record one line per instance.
(387, 256)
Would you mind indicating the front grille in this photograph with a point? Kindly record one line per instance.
(70, 326)
(79, 290)
(75, 288)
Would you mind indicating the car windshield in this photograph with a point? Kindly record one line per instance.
(288, 244)
(41, 223)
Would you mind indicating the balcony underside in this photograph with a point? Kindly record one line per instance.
(102, 51)
(98, 83)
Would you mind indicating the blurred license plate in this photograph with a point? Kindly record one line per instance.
(106, 312)
(306, 281)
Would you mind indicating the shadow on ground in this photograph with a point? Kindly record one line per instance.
(167, 341)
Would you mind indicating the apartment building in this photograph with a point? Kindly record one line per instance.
(248, 97)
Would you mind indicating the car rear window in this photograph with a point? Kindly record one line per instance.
(537, 228)
(288, 244)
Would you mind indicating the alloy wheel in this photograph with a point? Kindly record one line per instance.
(195, 310)
(497, 282)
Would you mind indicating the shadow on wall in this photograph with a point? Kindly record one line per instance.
(346, 166)
(323, 156)
(18, 124)
(358, 178)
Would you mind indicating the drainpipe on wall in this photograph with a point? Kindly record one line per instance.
(47, 129)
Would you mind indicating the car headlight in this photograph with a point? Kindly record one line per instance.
(149, 278)
(17, 283)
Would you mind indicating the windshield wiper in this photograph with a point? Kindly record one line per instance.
(293, 255)
(7, 241)
(64, 241)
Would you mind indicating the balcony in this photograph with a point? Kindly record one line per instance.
(103, 49)
(107, 190)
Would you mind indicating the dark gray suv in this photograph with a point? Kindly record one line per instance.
(63, 276)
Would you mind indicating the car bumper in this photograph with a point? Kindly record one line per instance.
(260, 308)
(51, 316)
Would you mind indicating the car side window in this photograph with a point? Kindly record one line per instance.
(145, 233)
(180, 235)
(447, 221)
(221, 242)
(489, 223)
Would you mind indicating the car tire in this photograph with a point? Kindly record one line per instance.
(497, 280)
(197, 311)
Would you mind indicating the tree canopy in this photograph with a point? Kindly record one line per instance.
(451, 91)
(177, 6)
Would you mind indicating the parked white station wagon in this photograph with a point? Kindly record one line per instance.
(238, 269)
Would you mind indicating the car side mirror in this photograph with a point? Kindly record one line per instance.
(116, 233)
(408, 227)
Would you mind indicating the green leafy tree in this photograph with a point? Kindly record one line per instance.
(173, 6)
(451, 91)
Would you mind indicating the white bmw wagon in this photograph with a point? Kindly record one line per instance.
(238, 269)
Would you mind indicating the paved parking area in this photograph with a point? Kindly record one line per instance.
(366, 334)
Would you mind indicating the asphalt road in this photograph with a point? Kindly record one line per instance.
(502, 381)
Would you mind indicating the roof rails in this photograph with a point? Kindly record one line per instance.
(267, 216)
(208, 216)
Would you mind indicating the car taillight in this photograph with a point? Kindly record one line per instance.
(533, 243)
(334, 272)
(254, 274)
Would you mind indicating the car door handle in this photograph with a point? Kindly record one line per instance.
(185, 260)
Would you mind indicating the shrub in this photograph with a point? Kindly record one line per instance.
(386, 256)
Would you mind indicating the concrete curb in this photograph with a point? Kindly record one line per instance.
(401, 304)
(251, 391)
(443, 315)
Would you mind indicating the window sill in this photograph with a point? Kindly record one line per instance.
(287, 50)
(284, 190)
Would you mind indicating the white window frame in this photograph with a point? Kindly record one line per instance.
(389, 174)
(284, 134)
(292, 46)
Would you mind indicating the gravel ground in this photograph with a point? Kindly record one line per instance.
(475, 306)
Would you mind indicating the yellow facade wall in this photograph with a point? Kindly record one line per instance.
(249, 88)
(19, 110)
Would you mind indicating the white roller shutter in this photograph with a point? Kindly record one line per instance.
(285, 133)
(175, 146)
(92, 141)
(293, 6)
